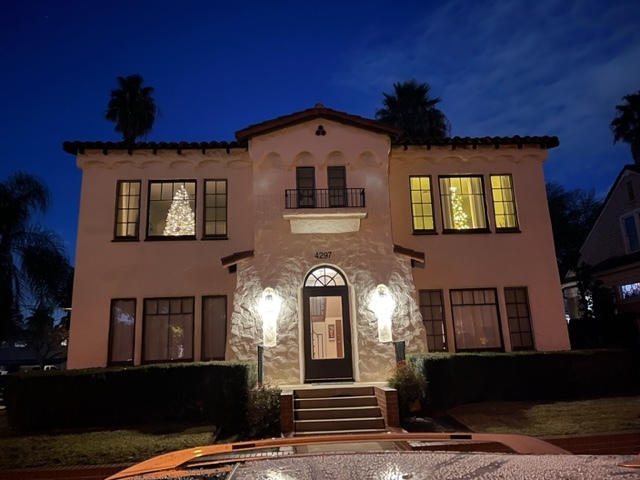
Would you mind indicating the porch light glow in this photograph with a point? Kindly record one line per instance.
(383, 304)
(269, 308)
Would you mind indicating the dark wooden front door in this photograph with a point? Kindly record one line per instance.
(327, 334)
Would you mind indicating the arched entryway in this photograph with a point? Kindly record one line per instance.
(327, 327)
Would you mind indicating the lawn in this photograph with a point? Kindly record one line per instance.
(551, 418)
(133, 445)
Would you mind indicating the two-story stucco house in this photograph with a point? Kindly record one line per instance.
(320, 236)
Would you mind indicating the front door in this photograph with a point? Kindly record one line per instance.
(327, 332)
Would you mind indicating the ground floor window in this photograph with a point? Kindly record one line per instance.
(122, 331)
(517, 302)
(214, 327)
(431, 308)
(475, 319)
(168, 329)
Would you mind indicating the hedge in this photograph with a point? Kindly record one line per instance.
(454, 379)
(214, 392)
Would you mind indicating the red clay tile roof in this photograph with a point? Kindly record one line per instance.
(464, 142)
(79, 147)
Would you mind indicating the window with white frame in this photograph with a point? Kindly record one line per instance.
(475, 319)
(630, 232)
(463, 205)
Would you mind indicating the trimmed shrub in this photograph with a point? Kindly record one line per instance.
(214, 392)
(263, 412)
(411, 387)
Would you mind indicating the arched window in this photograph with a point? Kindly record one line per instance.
(324, 277)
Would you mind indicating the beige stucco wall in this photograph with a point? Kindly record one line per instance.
(486, 260)
(142, 269)
(283, 259)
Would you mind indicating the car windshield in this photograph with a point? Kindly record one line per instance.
(383, 457)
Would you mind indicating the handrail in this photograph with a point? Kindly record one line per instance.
(324, 198)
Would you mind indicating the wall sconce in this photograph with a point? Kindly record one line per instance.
(269, 308)
(383, 304)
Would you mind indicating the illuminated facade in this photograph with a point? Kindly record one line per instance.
(320, 236)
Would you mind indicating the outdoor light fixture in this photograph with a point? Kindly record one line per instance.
(382, 304)
(269, 308)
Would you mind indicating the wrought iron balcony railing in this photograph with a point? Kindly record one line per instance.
(324, 198)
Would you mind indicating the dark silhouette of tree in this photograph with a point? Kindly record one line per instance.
(626, 125)
(573, 213)
(34, 268)
(132, 108)
(43, 337)
(411, 109)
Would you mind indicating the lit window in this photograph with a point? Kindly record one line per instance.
(122, 331)
(172, 209)
(127, 209)
(629, 290)
(475, 319)
(519, 317)
(431, 308)
(462, 200)
(214, 327)
(421, 204)
(168, 329)
(215, 208)
(504, 203)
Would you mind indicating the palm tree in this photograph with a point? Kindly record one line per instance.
(132, 108)
(626, 125)
(34, 268)
(410, 109)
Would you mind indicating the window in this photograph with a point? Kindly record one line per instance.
(306, 185)
(122, 331)
(630, 227)
(214, 327)
(168, 329)
(172, 209)
(127, 210)
(517, 302)
(215, 208)
(337, 182)
(431, 308)
(475, 319)
(463, 208)
(504, 203)
(629, 290)
(421, 204)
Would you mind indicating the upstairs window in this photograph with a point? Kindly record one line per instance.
(337, 182)
(630, 228)
(215, 209)
(172, 207)
(463, 207)
(504, 203)
(306, 186)
(421, 204)
(127, 210)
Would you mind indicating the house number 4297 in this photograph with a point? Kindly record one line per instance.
(323, 255)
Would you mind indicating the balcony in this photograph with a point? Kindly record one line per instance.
(324, 198)
(331, 210)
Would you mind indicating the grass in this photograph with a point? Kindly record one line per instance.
(134, 445)
(552, 418)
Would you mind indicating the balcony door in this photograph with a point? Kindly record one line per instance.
(337, 182)
(327, 327)
(306, 187)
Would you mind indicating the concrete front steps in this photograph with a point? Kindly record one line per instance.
(331, 409)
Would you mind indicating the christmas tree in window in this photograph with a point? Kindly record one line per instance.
(180, 219)
(459, 217)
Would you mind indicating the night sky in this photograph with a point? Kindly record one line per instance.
(541, 67)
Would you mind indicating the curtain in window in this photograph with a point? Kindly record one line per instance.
(462, 202)
(475, 317)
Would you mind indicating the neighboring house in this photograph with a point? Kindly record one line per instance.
(612, 248)
(318, 236)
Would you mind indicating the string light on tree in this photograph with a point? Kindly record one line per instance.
(180, 219)
(459, 217)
